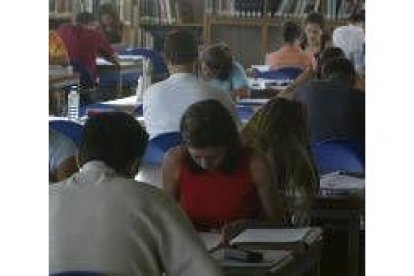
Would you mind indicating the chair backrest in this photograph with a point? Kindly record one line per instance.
(70, 129)
(86, 79)
(286, 73)
(77, 273)
(338, 155)
(245, 112)
(159, 145)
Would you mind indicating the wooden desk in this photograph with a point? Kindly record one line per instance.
(343, 210)
(61, 80)
(127, 66)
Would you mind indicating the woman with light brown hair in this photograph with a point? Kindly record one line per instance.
(279, 130)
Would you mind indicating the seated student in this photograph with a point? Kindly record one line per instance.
(215, 179)
(290, 54)
(315, 40)
(279, 130)
(223, 72)
(109, 23)
(351, 38)
(335, 109)
(58, 55)
(102, 220)
(165, 102)
(312, 73)
(62, 160)
(84, 43)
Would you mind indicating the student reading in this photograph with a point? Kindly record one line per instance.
(215, 179)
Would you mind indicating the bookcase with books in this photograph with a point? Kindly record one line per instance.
(157, 17)
(262, 20)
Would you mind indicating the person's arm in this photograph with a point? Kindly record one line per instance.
(239, 81)
(180, 248)
(105, 49)
(289, 92)
(170, 172)
(262, 176)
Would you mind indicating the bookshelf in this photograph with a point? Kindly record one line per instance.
(252, 28)
(262, 20)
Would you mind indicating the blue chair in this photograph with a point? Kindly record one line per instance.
(286, 73)
(77, 273)
(338, 155)
(159, 145)
(98, 106)
(70, 129)
(245, 112)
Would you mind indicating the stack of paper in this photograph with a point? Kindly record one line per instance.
(278, 238)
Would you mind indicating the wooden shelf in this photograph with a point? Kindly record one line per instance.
(147, 24)
(63, 15)
(260, 21)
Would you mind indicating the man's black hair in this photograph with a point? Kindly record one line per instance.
(115, 138)
(291, 32)
(340, 69)
(357, 16)
(316, 18)
(180, 47)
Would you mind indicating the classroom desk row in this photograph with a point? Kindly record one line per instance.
(131, 67)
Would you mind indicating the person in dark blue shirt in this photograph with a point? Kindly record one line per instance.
(335, 109)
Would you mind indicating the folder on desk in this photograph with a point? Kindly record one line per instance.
(283, 238)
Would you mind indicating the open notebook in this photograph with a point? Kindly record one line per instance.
(284, 238)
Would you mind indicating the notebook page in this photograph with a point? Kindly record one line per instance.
(271, 235)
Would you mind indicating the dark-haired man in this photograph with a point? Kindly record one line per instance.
(84, 43)
(102, 220)
(290, 54)
(335, 109)
(165, 102)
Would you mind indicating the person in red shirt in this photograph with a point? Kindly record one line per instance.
(216, 180)
(84, 43)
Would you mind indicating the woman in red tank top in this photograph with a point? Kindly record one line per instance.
(215, 180)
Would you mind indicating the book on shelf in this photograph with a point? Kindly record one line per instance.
(60, 6)
(282, 238)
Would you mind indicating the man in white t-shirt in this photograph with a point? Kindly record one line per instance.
(351, 38)
(101, 220)
(165, 102)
